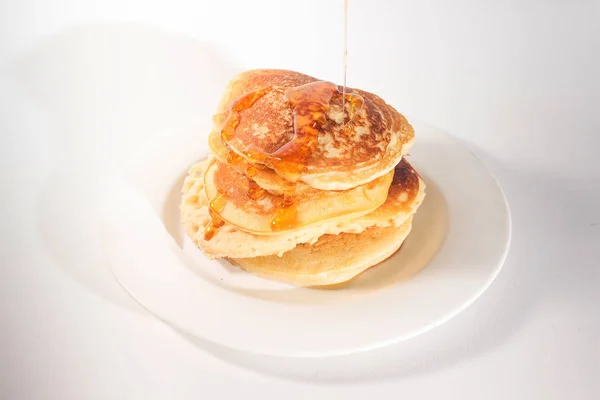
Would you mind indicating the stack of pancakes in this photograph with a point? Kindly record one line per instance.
(306, 183)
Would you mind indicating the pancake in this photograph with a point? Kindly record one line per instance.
(403, 198)
(304, 130)
(332, 259)
(252, 209)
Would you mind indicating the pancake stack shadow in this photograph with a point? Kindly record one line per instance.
(305, 184)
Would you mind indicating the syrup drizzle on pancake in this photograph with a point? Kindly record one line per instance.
(216, 206)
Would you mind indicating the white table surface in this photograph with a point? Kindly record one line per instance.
(83, 84)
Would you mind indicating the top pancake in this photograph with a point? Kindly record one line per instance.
(267, 104)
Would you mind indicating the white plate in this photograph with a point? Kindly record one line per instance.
(459, 240)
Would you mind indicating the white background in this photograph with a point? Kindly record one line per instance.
(83, 84)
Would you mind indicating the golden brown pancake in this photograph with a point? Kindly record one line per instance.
(332, 259)
(356, 139)
(404, 197)
(252, 209)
